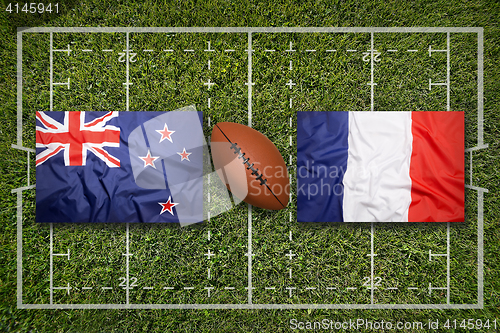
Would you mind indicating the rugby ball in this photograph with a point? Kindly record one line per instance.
(250, 165)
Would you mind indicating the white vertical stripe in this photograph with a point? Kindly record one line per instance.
(377, 184)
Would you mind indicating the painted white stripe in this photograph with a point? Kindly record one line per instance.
(377, 184)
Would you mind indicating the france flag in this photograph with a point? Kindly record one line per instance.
(382, 166)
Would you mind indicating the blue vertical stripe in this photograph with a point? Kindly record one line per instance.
(322, 150)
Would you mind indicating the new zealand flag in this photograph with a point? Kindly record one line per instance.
(119, 166)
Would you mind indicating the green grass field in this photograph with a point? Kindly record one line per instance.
(327, 256)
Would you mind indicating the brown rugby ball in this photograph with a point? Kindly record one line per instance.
(250, 165)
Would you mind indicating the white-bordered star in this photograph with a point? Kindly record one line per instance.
(165, 133)
(167, 206)
(184, 155)
(149, 160)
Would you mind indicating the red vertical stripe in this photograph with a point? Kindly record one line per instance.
(437, 167)
(75, 139)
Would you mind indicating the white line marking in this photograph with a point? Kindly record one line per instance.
(250, 255)
(31, 150)
(436, 255)
(62, 83)
(290, 65)
(411, 50)
(188, 50)
(127, 83)
(208, 289)
(354, 50)
(290, 273)
(147, 288)
(209, 254)
(51, 249)
(269, 50)
(209, 107)
(448, 77)
(331, 288)
(431, 50)
(229, 50)
(372, 84)
(188, 288)
(19, 190)
(311, 288)
(412, 288)
(229, 288)
(392, 288)
(256, 29)
(290, 140)
(249, 82)
(249, 230)
(436, 84)
(392, 50)
(290, 84)
(331, 50)
(107, 288)
(290, 49)
(68, 288)
(86, 50)
(470, 168)
(68, 50)
(86, 288)
(107, 50)
(311, 50)
(372, 259)
(209, 84)
(209, 63)
(209, 49)
(127, 261)
(480, 242)
(480, 121)
(168, 288)
(62, 254)
(478, 235)
(448, 258)
(479, 189)
(148, 50)
(351, 288)
(270, 288)
(435, 288)
(168, 50)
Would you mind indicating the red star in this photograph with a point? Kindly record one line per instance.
(165, 134)
(184, 155)
(167, 206)
(149, 160)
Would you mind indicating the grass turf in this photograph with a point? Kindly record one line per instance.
(327, 254)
